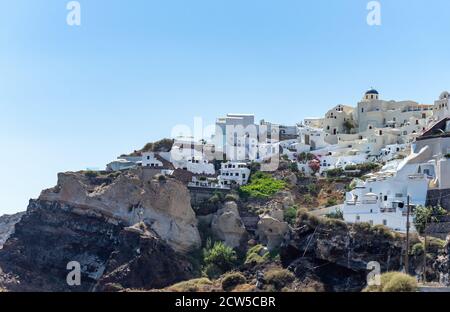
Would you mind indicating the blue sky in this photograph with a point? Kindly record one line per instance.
(76, 97)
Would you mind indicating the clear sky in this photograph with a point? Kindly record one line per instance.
(77, 97)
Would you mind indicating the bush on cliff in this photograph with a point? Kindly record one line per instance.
(194, 285)
(394, 282)
(218, 259)
(279, 278)
(261, 185)
(255, 255)
(231, 280)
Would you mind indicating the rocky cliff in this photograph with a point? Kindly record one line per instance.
(336, 254)
(91, 219)
(7, 225)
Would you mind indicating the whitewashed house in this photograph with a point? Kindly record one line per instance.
(149, 160)
(382, 198)
(234, 173)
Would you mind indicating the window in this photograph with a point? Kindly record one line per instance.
(385, 198)
(358, 218)
(385, 222)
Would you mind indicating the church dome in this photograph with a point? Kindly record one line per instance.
(372, 91)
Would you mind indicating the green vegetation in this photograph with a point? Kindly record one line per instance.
(417, 249)
(261, 185)
(218, 259)
(231, 197)
(338, 215)
(394, 282)
(426, 215)
(91, 174)
(217, 197)
(304, 157)
(279, 278)
(231, 280)
(164, 145)
(308, 199)
(194, 285)
(447, 155)
(290, 215)
(254, 255)
(293, 167)
(331, 202)
(334, 173)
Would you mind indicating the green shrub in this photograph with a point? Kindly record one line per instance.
(216, 197)
(401, 283)
(290, 215)
(331, 202)
(308, 199)
(380, 229)
(434, 245)
(231, 280)
(279, 278)
(293, 167)
(231, 197)
(394, 282)
(313, 188)
(254, 255)
(338, 215)
(91, 174)
(417, 249)
(426, 215)
(333, 173)
(193, 285)
(261, 185)
(218, 258)
(164, 145)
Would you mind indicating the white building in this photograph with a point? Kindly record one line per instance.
(382, 198)
(440, 108)
(209, 183)
(149, 160)
(234, 173)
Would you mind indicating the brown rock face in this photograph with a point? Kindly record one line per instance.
(111, 256)
(336, 254)
(141, 261)
(131, 198)
(89, 219)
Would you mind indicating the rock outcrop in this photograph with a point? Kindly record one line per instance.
(227, 225)
(163, 204)
(272, 232)
(111, 255)
(91, 219)
(142, 261)
(336, 254)
(7, 225)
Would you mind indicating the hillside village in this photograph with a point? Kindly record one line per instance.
(255, 207)
(396, 151)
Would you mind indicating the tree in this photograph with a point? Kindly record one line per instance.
(425, 215)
